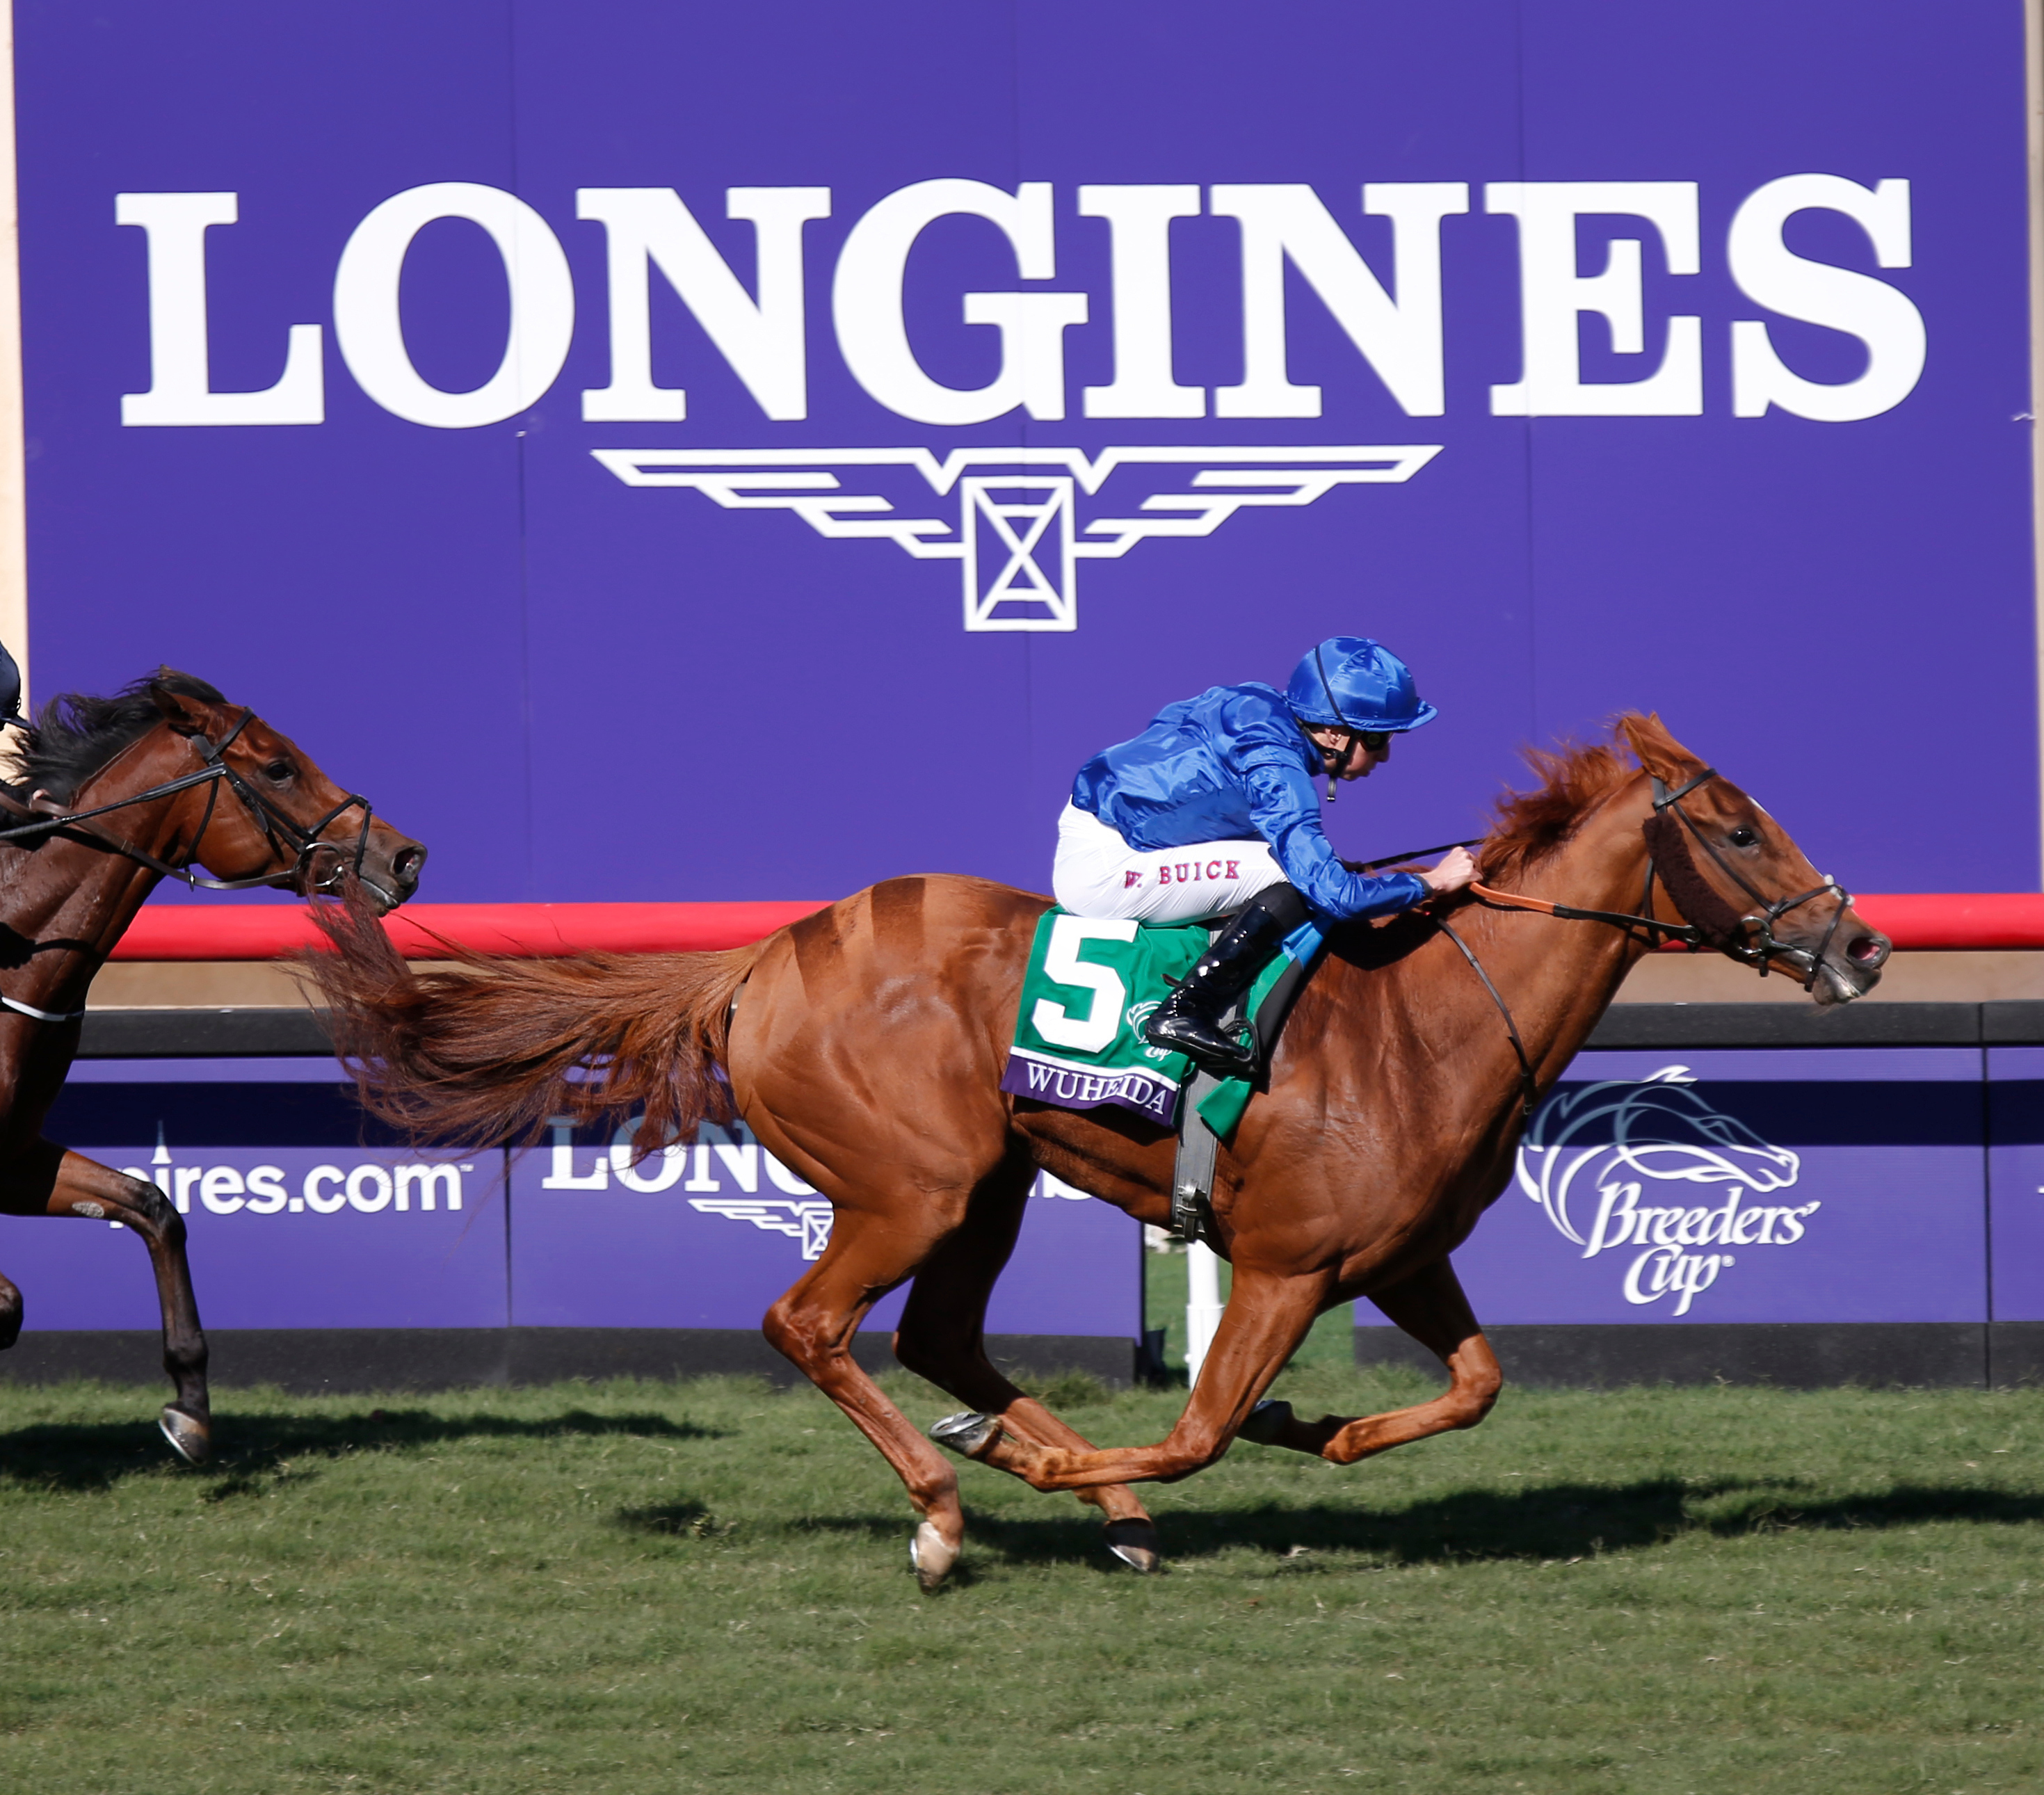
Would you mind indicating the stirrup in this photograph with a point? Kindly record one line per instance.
(1211, 1048)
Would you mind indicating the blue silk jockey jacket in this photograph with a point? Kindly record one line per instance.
(1233, 765)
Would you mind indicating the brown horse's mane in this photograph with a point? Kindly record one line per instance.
(1575, 778)
(76, 734)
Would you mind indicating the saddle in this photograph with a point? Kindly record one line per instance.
(1088, 986)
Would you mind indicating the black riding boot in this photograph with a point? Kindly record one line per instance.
(1188, 1021)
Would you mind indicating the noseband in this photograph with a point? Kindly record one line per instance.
(284, 833)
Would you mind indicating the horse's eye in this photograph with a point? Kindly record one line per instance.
(277, 771)
(1743, 837)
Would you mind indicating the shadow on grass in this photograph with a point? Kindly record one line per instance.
(258, 1448)
(674, 1520)
(1557, 1522)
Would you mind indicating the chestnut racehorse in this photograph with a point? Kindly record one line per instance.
(115, 794)
(865, 1047)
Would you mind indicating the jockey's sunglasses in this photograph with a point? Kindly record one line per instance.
(1374, 741)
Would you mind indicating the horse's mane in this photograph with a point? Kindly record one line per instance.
(75, 735)
(1573, 778)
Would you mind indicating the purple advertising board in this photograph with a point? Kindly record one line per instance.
(298, 1218)
(2015, 1180)
(1824, 1184)
(710, 1235)
(563, 417)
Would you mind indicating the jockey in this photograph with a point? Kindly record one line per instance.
(1211, 809)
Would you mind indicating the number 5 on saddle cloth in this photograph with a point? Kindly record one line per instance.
(1090, 984)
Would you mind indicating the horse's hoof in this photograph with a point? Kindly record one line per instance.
(969, 1434)
(189, 1437)
(1267, 1421)
(932, 1556)
(1135, 1542)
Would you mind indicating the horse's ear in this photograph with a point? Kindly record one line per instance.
(187, 716)
(1657, 750)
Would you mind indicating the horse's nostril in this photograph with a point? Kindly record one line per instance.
(1868, 950)
(406, 864)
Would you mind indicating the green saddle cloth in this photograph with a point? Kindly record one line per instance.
(1090, 986)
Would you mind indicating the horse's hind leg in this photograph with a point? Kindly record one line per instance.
(1267, 1316)
(813, 1324)
(1430, 1307)
(942, 1338)
(47, 1180)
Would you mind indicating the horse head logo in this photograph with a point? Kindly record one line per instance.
(1659, 1127)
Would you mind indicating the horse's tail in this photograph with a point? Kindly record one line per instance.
(489, 1049)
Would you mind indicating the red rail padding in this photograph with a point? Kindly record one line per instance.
(267, 932)
(1954, 919)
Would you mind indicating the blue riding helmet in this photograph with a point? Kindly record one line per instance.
(1352, 683)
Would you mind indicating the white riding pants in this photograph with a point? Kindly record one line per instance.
(1099, 874)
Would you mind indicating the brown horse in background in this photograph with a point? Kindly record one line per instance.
(114, 794)
(864, 1046)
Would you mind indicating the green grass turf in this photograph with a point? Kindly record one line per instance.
(706, 1587)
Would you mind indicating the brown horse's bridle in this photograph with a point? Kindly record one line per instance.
(267, 816)
(284, 833)
(1708, 920)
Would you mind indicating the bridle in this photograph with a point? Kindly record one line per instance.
(284, 833)
(268, 819)
(1708, 920)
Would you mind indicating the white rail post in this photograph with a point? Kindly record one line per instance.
(1203, 1305)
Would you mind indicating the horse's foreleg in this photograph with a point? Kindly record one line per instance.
(942, 1338)
(813, 1324)
(47, 1180)
(1266, 1317)
(1430, 1307)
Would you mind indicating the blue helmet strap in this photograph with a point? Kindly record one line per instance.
(1334, 705)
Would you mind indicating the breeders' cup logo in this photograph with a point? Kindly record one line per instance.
(1017, 534)
(1138, 1014)
(1601, 1147)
